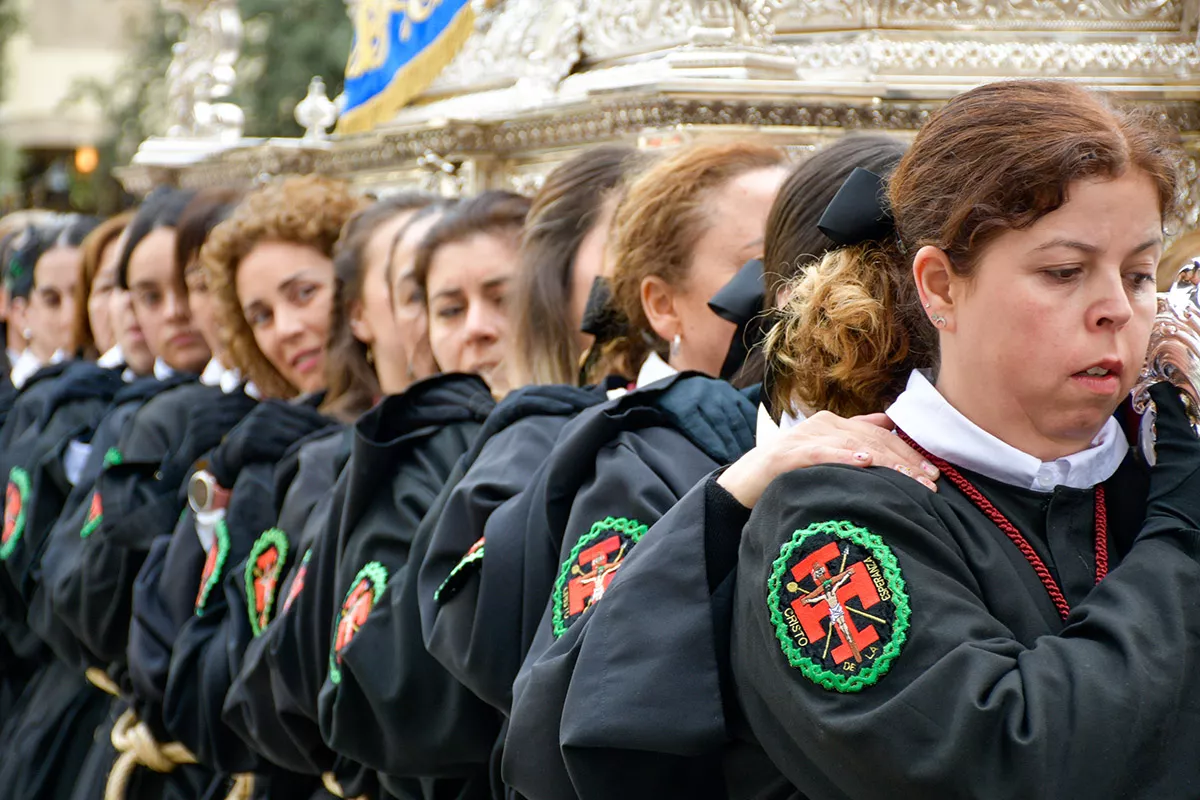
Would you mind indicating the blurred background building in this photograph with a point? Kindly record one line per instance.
(50, 128)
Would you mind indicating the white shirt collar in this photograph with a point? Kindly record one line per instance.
(27, 364)
(162, 371)
(217, 374)
(212, 373)
(654, 369)
(112, 358)
(24, 367)
(766, 429)
(926, 416)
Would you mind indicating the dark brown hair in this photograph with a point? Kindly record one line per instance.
(656, 226)
(92, 249)
(352, 385)
(309, 210)
(994, 159)
(545, 347)
(202, 214)
(493, 212)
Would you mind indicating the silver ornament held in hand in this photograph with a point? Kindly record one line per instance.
(1174, 353)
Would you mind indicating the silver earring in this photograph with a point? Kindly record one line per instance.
(938, 320)
(675, 345)
(927, 305)
(28, 334)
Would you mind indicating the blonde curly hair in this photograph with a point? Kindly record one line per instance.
(309, 210)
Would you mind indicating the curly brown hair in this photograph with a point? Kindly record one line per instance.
(309, 210)
(996, 158)
(656, 225)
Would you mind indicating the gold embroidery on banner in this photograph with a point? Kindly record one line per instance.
(372, 30)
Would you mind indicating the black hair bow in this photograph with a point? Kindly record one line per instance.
(741, 302)
(600, 319)
(858, 212)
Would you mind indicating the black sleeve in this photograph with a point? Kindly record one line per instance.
(605, 700)
(506, 465)
(273, 698)
(386, 702)
(394, 707)
(962, 708)
(65, 564)
(208, 648)
(48, 488)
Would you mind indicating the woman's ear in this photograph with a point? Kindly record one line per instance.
(934, 274)
(658, 301)
(358, 324)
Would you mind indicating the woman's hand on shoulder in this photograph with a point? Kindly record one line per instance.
(825, 438)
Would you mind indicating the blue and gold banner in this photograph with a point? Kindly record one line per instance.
(400, 46)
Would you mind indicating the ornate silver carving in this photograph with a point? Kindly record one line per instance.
(964, 59)
(1143, 14)
(201, 74)
(1174, 353)
(533, 39)
(316, 113)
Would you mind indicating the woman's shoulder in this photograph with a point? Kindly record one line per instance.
(882, 502)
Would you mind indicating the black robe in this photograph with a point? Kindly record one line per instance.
(402, 453)
(609, 479)
(209, 647)
(395, 707)
(55, 604)
(981, 689)
(48, 747)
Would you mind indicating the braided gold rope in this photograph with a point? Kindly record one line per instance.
(138, 747)
(334, 788)
(99, 678)
(243, 787)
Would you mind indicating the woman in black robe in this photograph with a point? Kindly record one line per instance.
(1027, 630)
(682, 570)
(266, 539)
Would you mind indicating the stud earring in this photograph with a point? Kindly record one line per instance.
(675, 345)
(28, 334)
(938, 320)
(927, 305)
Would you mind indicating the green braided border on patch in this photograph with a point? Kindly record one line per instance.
(20, 478)
(630, 527)
(815, 672)
(467, 560)
(271, 537)
(90, 524)
(377, 574)
(113, 458)
(221, 542)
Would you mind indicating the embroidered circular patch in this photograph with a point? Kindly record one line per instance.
(95, 516)
(263, 568)
(591, 567)
(839, 605)
(297, 581)
(214, 563)
(365, 591)
(15, 497)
